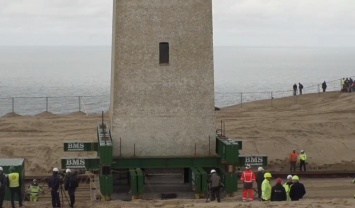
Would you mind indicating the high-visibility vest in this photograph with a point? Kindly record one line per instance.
(248, 176)
(287, 189)
(34, 189)
(14, 180)
(266, 190)
(303, 156)
(293, 157)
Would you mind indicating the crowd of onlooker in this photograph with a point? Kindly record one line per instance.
(348, 85)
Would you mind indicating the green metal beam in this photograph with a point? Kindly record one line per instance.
(167, 162)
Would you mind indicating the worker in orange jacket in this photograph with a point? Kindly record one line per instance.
(293, 160)
(248, 177)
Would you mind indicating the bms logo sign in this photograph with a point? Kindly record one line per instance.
(75, 146)
(75, 163)
(254, 161)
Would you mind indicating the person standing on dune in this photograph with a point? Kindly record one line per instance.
(303, 159)
(293, 160)
(294, 89)
(300, 87)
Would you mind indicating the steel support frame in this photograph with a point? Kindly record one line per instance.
(165, 162)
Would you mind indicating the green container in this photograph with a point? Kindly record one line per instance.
(228, 150)
(230, 182)
(203, 179)
(140, 181)
(106, 185)
(133, 181)
(19, 165)
(104, 145)
(195, 179)
(105, 155)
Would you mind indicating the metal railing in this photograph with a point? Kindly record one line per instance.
(241, 98)
(55, 105)
(97, 104)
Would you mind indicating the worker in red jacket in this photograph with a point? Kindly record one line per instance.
(248, 177)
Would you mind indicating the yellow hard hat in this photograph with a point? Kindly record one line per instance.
(267, 175)
(296, 178)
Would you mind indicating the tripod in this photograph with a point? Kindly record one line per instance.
(62, 192)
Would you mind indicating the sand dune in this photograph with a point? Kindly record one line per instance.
(321, 124)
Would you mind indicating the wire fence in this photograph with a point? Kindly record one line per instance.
(234, 98)
(97, 104)
(55, 105)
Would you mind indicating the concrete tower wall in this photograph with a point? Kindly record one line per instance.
(162, 109)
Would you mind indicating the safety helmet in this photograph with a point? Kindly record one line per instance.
(55, 170)
(302, 151)
(34, 180)
(12, 169)
(1, 169)
(289, 177)
(295, 178)
(67, 171)
(213, 171)
(247, 166)
(267, 175)
(260, 168)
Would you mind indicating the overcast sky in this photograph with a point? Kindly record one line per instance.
(236, 22)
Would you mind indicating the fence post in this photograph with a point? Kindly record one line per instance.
(318, 90)
(79, 103)
(271, 98)
(13, 105)
(46, 104)
(241, 100)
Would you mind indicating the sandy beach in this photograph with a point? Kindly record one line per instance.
(321, 124)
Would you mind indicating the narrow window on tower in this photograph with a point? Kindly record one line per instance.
(164, 53)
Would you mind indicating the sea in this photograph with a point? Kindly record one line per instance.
(66, 79)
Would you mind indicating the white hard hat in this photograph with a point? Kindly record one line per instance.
(213, 171)
(1, 169)
(260, 168)
(302, 150)
(34, 180)
(55, 170)
(67, 170)
(289, 177)
(247, 166)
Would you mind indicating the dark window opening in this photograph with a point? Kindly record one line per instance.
(164, 53)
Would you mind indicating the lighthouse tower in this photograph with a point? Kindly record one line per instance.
(162, 85)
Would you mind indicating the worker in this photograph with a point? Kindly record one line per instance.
(3, 182)
(54, 185)
(278, 192)
(34, 190)
(15, 183)
(70, 184)
(215, 185)
(248, 177)
(266, 188)
(297, 190)
(303, 159)
(259, 180)
(293, 160)
(287, 186)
